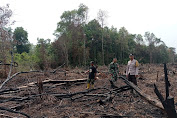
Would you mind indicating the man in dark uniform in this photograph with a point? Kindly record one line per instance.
(92, 75)
(114, 70)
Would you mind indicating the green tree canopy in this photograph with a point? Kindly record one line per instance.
(21, 39)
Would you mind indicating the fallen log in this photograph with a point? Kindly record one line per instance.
(69, 95)
(55, 85)
(64, 81)
(148, 98)
(114, 91)
(12, 111)
(54, 71)
(15, 64)
(54, 82)
(8, 90)
(20, 99)
(14, 75)
(111, 94)
(108, 98)
(104, 115)
(3, 97)
(19, 107)
(59, 96)
(97, 95)
(121, 89)
(5, 116)
(90, 95)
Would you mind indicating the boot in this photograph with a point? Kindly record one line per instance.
(88, 85)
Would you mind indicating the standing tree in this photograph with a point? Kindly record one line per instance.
(83, 16)
(160, 54)
(5, 34)
(123, 42)
(93, 33)
(58, 56)
(152, 42)
(171, 52)
(42, 52)
(62, 32)
(139, 39)
(114, 48)
(102, 15)
(70, 32)
(21, 39)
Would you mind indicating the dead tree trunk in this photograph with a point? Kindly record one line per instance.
(142, 94)
(168, 103)
(40, 86)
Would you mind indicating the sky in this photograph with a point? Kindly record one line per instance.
(40, 17)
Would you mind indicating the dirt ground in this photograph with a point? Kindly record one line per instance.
(80, 106)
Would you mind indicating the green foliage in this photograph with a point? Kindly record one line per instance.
(153, 41)
(26, 61)
(42, 53)
(21, 39)
(72, 31)
(161, 54)
(93, 40)
(78, 41)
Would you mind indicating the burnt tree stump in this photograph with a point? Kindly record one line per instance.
(167, 103)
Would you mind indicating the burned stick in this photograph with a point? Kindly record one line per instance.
(157, 76)
(10, 110)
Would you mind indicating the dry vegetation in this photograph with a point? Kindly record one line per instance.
(54, 104)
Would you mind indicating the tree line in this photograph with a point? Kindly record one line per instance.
(79, 41)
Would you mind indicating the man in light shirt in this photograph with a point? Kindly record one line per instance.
(132, 69)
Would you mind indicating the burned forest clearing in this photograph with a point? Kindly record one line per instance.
(63, 94)
(60, 61)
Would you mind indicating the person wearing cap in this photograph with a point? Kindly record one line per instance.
(114, 70)
(132, 69)
(92, 75)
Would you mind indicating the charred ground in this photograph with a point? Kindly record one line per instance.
(85, 105)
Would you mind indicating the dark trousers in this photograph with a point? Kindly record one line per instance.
(132, 78)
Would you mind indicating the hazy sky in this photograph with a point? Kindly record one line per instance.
(40, 17)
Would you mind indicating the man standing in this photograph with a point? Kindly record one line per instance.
(132, 69)
(92, 75)
(114, 70)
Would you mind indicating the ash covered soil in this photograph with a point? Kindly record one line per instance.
(86, 105)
